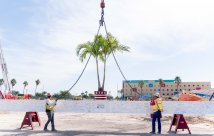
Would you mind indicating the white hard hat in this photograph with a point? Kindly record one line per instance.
(49, 95)
(157, 94)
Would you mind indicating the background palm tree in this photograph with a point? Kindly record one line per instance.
(82, 94)
(86, 93)
(37, 83)
(141, 84)
(177, 81)
(1, 83)
(25, 84)
(13, 82)
(122, 93)
(160, 81)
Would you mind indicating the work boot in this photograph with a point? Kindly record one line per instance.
(45, 129)
(54, 130)
(159, 132)
(152, 132)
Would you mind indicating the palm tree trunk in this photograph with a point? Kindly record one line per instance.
(177, 88)
(35, 90)
(98, 76)
(104, 74)
(24, 90)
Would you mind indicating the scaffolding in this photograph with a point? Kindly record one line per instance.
(4, 71)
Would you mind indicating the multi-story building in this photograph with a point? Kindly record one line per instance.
(167, 89)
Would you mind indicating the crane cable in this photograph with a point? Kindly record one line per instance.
(116, 61)
(85, 64)
(101, 23)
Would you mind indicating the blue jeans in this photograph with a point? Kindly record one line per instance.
(156, 115)
(50, 115)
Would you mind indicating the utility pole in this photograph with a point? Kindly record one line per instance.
(4, 71)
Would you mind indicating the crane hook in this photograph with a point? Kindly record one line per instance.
(102, 4)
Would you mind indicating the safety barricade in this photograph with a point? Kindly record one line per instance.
(29, 118)
(179, 122)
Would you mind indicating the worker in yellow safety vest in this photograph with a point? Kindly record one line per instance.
(157, 107)
(49, 107)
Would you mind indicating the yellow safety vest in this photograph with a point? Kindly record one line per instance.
(158, 105)
(49, 107)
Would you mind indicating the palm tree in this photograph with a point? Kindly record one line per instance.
(108, 45)
(91, 48)
(177, 81)
(141, 84)
(122, 93)
(1, 82)
(100, 49)
(25, 84)
(82, 94)
(37, 83)
(13, 82)
(86, 93)
(161, 82)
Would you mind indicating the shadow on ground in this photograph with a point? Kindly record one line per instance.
(18, 132)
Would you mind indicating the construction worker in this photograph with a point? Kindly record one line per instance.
(157, 108)
(49, 106)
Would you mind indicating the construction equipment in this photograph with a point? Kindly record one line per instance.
(4, 72)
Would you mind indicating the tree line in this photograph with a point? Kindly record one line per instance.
(13, 82)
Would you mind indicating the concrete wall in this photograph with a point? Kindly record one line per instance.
(139, 107)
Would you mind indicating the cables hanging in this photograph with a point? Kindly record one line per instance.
(102, 23)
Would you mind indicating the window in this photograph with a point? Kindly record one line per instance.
(167, 93)
(163, 94)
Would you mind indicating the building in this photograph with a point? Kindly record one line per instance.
(168, 88)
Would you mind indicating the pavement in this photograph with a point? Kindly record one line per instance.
(101, 124)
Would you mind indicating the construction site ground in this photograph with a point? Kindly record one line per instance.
(102, 124)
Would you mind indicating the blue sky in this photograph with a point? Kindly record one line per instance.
(167, 39)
